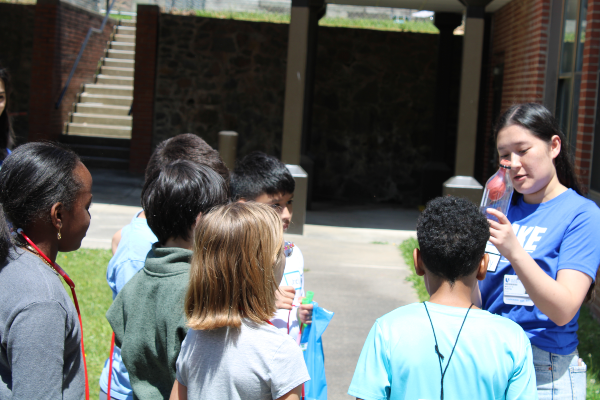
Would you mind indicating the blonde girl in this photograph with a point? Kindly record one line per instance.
(231, 350)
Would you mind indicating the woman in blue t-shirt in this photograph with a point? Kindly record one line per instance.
(549, 247)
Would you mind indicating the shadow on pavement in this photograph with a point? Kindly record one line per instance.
(117, 187)
(123, 188)
(374, 216)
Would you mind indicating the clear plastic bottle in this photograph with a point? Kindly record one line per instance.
(498, 191)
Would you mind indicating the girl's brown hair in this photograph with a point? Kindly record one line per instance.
(236, 248)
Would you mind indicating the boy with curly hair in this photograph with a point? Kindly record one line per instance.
(478, 355)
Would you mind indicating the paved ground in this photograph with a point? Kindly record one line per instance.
(350, 275)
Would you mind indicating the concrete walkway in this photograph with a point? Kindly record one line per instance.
(350, 274)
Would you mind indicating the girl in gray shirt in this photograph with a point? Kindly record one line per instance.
(231, 350)
(45, 194)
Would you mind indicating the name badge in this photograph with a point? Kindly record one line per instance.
(514, 292)
(293, 279)
(494, 256)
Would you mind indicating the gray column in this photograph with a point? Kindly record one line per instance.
(463, 184)
(469, 91)
(299, 83)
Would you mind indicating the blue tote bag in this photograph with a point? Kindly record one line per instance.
(312, 347)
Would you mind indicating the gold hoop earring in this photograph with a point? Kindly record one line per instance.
(59, 235)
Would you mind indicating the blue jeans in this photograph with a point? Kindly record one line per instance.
(559, 377)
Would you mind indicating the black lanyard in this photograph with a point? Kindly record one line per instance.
(437, 349)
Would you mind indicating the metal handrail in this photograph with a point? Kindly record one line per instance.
(83, 45)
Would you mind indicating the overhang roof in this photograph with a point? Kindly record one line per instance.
(432, 5)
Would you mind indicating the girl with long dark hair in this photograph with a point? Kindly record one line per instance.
(7, 136)
(549, 247)
(45, 195)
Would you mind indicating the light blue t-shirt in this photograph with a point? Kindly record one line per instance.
(136, 241)
(492, 359)
(561, 233)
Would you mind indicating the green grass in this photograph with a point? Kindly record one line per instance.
(589, 350)
(406, 249)
(589, 328)
(385, 25)
(379, 242)
(119, 16)
(87, 268)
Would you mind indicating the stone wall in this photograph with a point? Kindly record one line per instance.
(373, 113)
(16, 46)
(215, 75)
(373, 102)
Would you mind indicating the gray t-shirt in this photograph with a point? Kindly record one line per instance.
(40, 351)
(255, 362)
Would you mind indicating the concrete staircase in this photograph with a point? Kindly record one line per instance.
(99, 127)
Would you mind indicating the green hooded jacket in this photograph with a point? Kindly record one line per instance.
(149, 321)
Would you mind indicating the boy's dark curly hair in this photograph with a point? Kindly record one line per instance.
(452, 235)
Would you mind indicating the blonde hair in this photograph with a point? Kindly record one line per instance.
(236, 248)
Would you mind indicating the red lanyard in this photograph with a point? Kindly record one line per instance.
(71, 284)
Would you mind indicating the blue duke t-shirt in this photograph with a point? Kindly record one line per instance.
(559, 234)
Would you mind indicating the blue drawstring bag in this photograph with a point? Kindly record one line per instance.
(312, 347)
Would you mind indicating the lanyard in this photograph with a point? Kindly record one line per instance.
(71, 284)
(437, 349)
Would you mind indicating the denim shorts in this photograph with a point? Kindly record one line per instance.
(559, 377)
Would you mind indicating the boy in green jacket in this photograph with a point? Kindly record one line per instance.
(147, 316)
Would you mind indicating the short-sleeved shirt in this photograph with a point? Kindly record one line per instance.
(293, 275)
(561, 233)
(136, 242)
(256, 361)
(492, 359)
(40, 336)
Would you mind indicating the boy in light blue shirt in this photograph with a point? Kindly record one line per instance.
(135, 240)
(447, 347)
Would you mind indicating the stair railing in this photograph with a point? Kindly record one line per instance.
(81, 50)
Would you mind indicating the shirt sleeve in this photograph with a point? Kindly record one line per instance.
(522, 384)
(116, 318)
(125, 271)
(579, 249)
(35, 348)
(183, 359)
(372, 379)
(287, 369)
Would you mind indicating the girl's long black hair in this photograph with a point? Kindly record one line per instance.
(35, 177)
(7, 135)
(538, 120)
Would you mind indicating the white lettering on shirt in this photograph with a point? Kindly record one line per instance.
(528, 236)
(523, 233)
(530, 246)
(516, 228)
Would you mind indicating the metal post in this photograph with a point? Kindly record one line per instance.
(228, 147)
(300, 195)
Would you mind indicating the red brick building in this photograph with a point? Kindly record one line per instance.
(547, 51)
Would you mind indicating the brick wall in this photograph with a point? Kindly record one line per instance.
(16, 47)
(588, 95)
(142, 130)
(587, 107)
(60, 29)
(519, 41)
